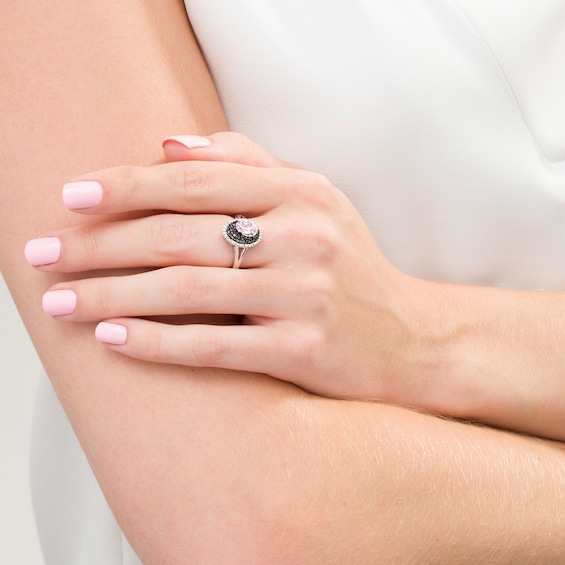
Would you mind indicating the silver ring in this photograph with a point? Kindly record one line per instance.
(242, 233)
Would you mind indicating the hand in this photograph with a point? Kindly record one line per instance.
(321, 306)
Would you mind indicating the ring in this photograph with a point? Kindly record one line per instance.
(242, 233)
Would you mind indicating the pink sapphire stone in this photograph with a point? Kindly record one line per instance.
(246, 227)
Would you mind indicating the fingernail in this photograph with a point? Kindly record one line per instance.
(43, 251)
(189, 141)
(82, 194)
(112, 334)
(59, 302)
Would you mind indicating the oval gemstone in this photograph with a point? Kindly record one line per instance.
(246, 227)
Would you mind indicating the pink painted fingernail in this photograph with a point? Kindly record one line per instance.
(82, 194)
(189, 141)
(43, 251)
(112, 334)
(59, 302)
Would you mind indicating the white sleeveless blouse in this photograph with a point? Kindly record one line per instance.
(442, 120)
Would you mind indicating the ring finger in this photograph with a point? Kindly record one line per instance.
(155, 241)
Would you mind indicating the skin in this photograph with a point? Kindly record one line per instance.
(446, 348)
(216, 466)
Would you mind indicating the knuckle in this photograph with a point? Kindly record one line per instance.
(318, 239)
(320, 295)
(188, 291)
(190, 181)
(209, 350)
(126, 177)
(325, 241)
(170, 234)
(96, 298)
(320, 181)
(92, 244)
(313, 188)
(306, 348)
(152, 345)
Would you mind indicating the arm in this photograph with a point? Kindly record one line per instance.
(495, 355)
(212, 466)
(463, 351)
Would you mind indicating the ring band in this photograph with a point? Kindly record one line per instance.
(242, 233)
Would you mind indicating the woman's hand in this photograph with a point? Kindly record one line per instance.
(321, 306)
(315, 302)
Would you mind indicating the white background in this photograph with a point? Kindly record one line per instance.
(19, 368)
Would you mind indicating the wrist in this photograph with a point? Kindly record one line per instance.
(487, 354)
(438, 354)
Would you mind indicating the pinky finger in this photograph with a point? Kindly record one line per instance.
(239, 348)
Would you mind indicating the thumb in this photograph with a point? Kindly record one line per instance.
(225, 146)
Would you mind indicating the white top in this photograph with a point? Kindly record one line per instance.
(444, 122)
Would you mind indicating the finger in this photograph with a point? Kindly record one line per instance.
(161, 240)
(225, 146)
(239, 348)
(186, 186)
(181, 184)
(173, 291)
(298, 240)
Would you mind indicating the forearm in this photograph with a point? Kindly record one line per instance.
(212, 466)
(224, 468)
(228, 469)
(87, 85)
(400, 487)
(496, 355)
